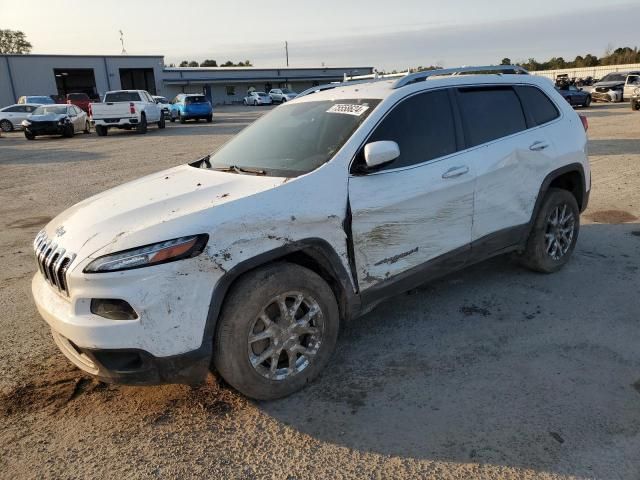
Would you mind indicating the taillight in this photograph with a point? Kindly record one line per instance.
(585, 122)
(68, 102)
(132, 108)
(90, 111)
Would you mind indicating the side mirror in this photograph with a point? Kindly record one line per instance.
(379, 153)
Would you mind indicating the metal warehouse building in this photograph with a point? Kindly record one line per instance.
(97, 74)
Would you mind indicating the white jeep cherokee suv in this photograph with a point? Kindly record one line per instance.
(249, 259)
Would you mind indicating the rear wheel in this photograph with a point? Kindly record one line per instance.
(182, 119)
(210, 119)
(277, 330)
(142, 126)
(101, 130)
(554, 234)
(161, 122)
(6, 126)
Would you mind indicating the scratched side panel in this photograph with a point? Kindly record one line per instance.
(404, 218)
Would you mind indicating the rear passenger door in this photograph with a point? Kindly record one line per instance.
(511, 153)
(420, 206)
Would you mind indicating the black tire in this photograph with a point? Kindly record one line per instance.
(255, 103)
(587, 101)
(182, 119)
(210, 119)
(635, 105)
(29, 135)
(141, 128)
(68, 131)
(6, 126)
(87, 127)
(161, 122)
(171, 117)
(536, 255)
(249, 297)
(283, 100)
(101, 130)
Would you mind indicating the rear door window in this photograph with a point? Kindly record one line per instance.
(489, 113)
(422, 126)
(536, 103)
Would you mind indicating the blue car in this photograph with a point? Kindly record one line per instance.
(574, 95)
(191, 106)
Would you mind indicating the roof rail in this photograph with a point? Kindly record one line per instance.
(422, 76)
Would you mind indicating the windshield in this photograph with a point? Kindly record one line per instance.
(39, 100)
(47, 110)
(286, 90)
(161, 100)
(261, 94)
(199, 99)
(614, 77)
(122, 97)
(294, 139)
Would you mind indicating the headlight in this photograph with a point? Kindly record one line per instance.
(26, 123)
(154, 254)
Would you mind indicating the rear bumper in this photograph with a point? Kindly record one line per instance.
(114, 122)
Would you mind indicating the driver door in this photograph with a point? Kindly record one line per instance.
(419, 207)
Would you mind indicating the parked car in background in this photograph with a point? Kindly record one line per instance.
(631, 83)
(11, 117)
(574, 95)
(56, 119)
(126, 109)
(250, 259)
(36, 99)
(191, 106)
(257, 98)
(612, 87)
(635, 99)
(80, 100)
(164, 104)
(281, 95)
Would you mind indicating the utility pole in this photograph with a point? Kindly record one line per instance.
(124, 51)
(286, 50)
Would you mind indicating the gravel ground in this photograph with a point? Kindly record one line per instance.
(493, 372)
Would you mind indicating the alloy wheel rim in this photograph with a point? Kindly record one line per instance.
(286, 336)
(559, 232)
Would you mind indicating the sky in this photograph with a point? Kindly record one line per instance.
(383, 34)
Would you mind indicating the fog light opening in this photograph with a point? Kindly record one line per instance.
(113, 309)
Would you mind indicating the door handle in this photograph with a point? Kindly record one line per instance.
(537, 146)
(455, 172)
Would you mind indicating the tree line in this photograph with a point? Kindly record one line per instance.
(212, 63)
(619, 56)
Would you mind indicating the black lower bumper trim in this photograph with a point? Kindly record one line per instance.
(137, 367)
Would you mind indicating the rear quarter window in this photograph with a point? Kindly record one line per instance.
(536, 103)
(490, 113)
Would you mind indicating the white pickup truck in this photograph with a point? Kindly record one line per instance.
(126, 109)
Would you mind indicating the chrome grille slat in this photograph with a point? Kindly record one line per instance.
(53, 261)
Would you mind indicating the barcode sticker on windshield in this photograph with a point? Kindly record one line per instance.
(348, 109)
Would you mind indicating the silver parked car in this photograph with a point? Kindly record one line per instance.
(58, 119)
(282, 95)
(11, 117)
(257, 98)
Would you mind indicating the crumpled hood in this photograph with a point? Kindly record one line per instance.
(613, 83)
(155, 205)
(49, 117)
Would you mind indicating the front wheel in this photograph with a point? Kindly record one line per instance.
(277, 330)
(29, 135)
(554, 234)
(68, 131)
(635, 105)
(587, 101)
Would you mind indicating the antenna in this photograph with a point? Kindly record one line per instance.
(124, 50)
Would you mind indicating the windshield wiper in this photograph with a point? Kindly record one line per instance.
(241, 170)
(198, 163)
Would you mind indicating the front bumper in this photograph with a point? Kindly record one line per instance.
(45, 128)
(610, 96)
(165, 344)
(137, 367)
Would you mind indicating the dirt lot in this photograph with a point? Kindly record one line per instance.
(493, 372)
